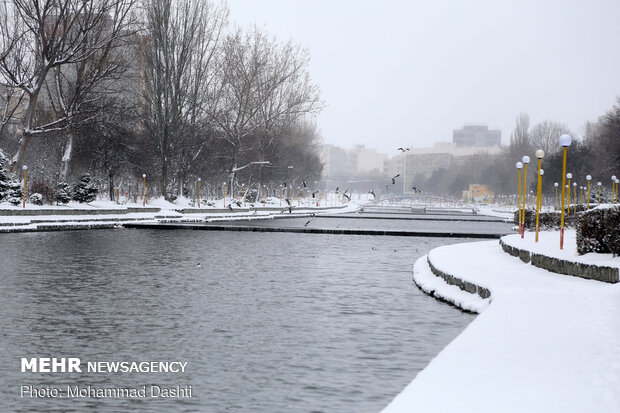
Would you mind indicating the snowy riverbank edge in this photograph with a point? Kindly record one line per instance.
(544, 342)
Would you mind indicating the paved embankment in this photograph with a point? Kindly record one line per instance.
(543, 342)
(305, 230)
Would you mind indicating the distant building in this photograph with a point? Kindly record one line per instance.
(480, 194)
(420, 163)
(476, 136)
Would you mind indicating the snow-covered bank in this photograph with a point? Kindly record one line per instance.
(106, 214)
(545, 343)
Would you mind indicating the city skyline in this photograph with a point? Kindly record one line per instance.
(408, 74)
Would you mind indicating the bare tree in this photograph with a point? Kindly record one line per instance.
(263, 87)
(545, 134)
(45, 35)
(179, 46)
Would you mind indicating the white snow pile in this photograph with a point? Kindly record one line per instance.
(545, 343)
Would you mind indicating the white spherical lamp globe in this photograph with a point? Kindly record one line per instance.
(555, 184)
(575, 184)
(565, 140)
(526, 159)
(569, 175)
(589, 177)
(519, 165)
(143, 175)
(613, 177)
(540, 154)
(199, 179)
(542, 172)
(599, 183)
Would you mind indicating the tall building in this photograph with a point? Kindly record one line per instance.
(476, 136)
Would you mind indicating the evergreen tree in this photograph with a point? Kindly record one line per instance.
(61, 193)
(15, 194)
(84, 190)
(4, 182)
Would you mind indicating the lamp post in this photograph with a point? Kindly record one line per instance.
(280, 194)
(199, 192)
(25, 168)
(244, 190)
(224, 193)
(539, 154)
(613, 189)
(581, 194)
(565, 141)
(617, 182)
(599, 191)
(569, 176)
(574, 198)
(519, 167)
(588, 179)
(143, 190)
(525, 160)
(556, 195)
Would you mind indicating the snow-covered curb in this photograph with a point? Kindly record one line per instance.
(546, 343)
(546, 253)
(437, 287)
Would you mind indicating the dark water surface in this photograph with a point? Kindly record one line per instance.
(269, 322)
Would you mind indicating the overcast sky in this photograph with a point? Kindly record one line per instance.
(396, 73)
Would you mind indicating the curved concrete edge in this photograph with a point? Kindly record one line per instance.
(576, 269)
(448, 288)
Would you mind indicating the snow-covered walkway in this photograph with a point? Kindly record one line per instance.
(544, 343)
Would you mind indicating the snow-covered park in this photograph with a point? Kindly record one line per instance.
(543, 342)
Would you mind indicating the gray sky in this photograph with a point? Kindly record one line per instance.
(397, 73)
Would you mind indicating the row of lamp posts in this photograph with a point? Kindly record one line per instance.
(565, 141)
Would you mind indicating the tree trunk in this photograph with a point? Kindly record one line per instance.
(111, 185)
(17, 160)
(66, 157)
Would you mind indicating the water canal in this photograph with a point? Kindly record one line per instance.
(269, 322)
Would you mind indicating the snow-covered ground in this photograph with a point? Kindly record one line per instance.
(549, 244)
(544, 343)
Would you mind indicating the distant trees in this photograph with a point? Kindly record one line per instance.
(544, 135)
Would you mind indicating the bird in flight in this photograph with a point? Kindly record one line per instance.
(394, 178)
(404, 149)
(288, 201)
(304, 183)
(373, 193)
(347, 196)
(238, 203)
(416, 189)
(284, 182)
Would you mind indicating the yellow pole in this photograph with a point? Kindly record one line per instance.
(519, 166)
(224, 192)
(24, 168)
(599, 192)
(198, 192)
(280, 195)
(245, 190)
(563, 188)
(538, 195)
(575, 198)
(588, 178)
(143, 190)
(524, 188)
(556, 196)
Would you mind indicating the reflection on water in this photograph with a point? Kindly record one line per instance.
(268, 322)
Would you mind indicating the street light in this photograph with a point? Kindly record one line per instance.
(199, 192)
(569, 176)
(519, 167)
(143, 190)
(539, 154)
(613, 189)
(224, 193)
(565, 141)
(574, 198)
(24, 168)
(525, 160)
(599, 191)
(588, 179)
(556, 195)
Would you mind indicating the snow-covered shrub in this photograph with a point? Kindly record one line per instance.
(84, 190)
(251, 195)
(36, 199)
(599, 230)
(548, 220)
(61, 193)
(15, 193)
